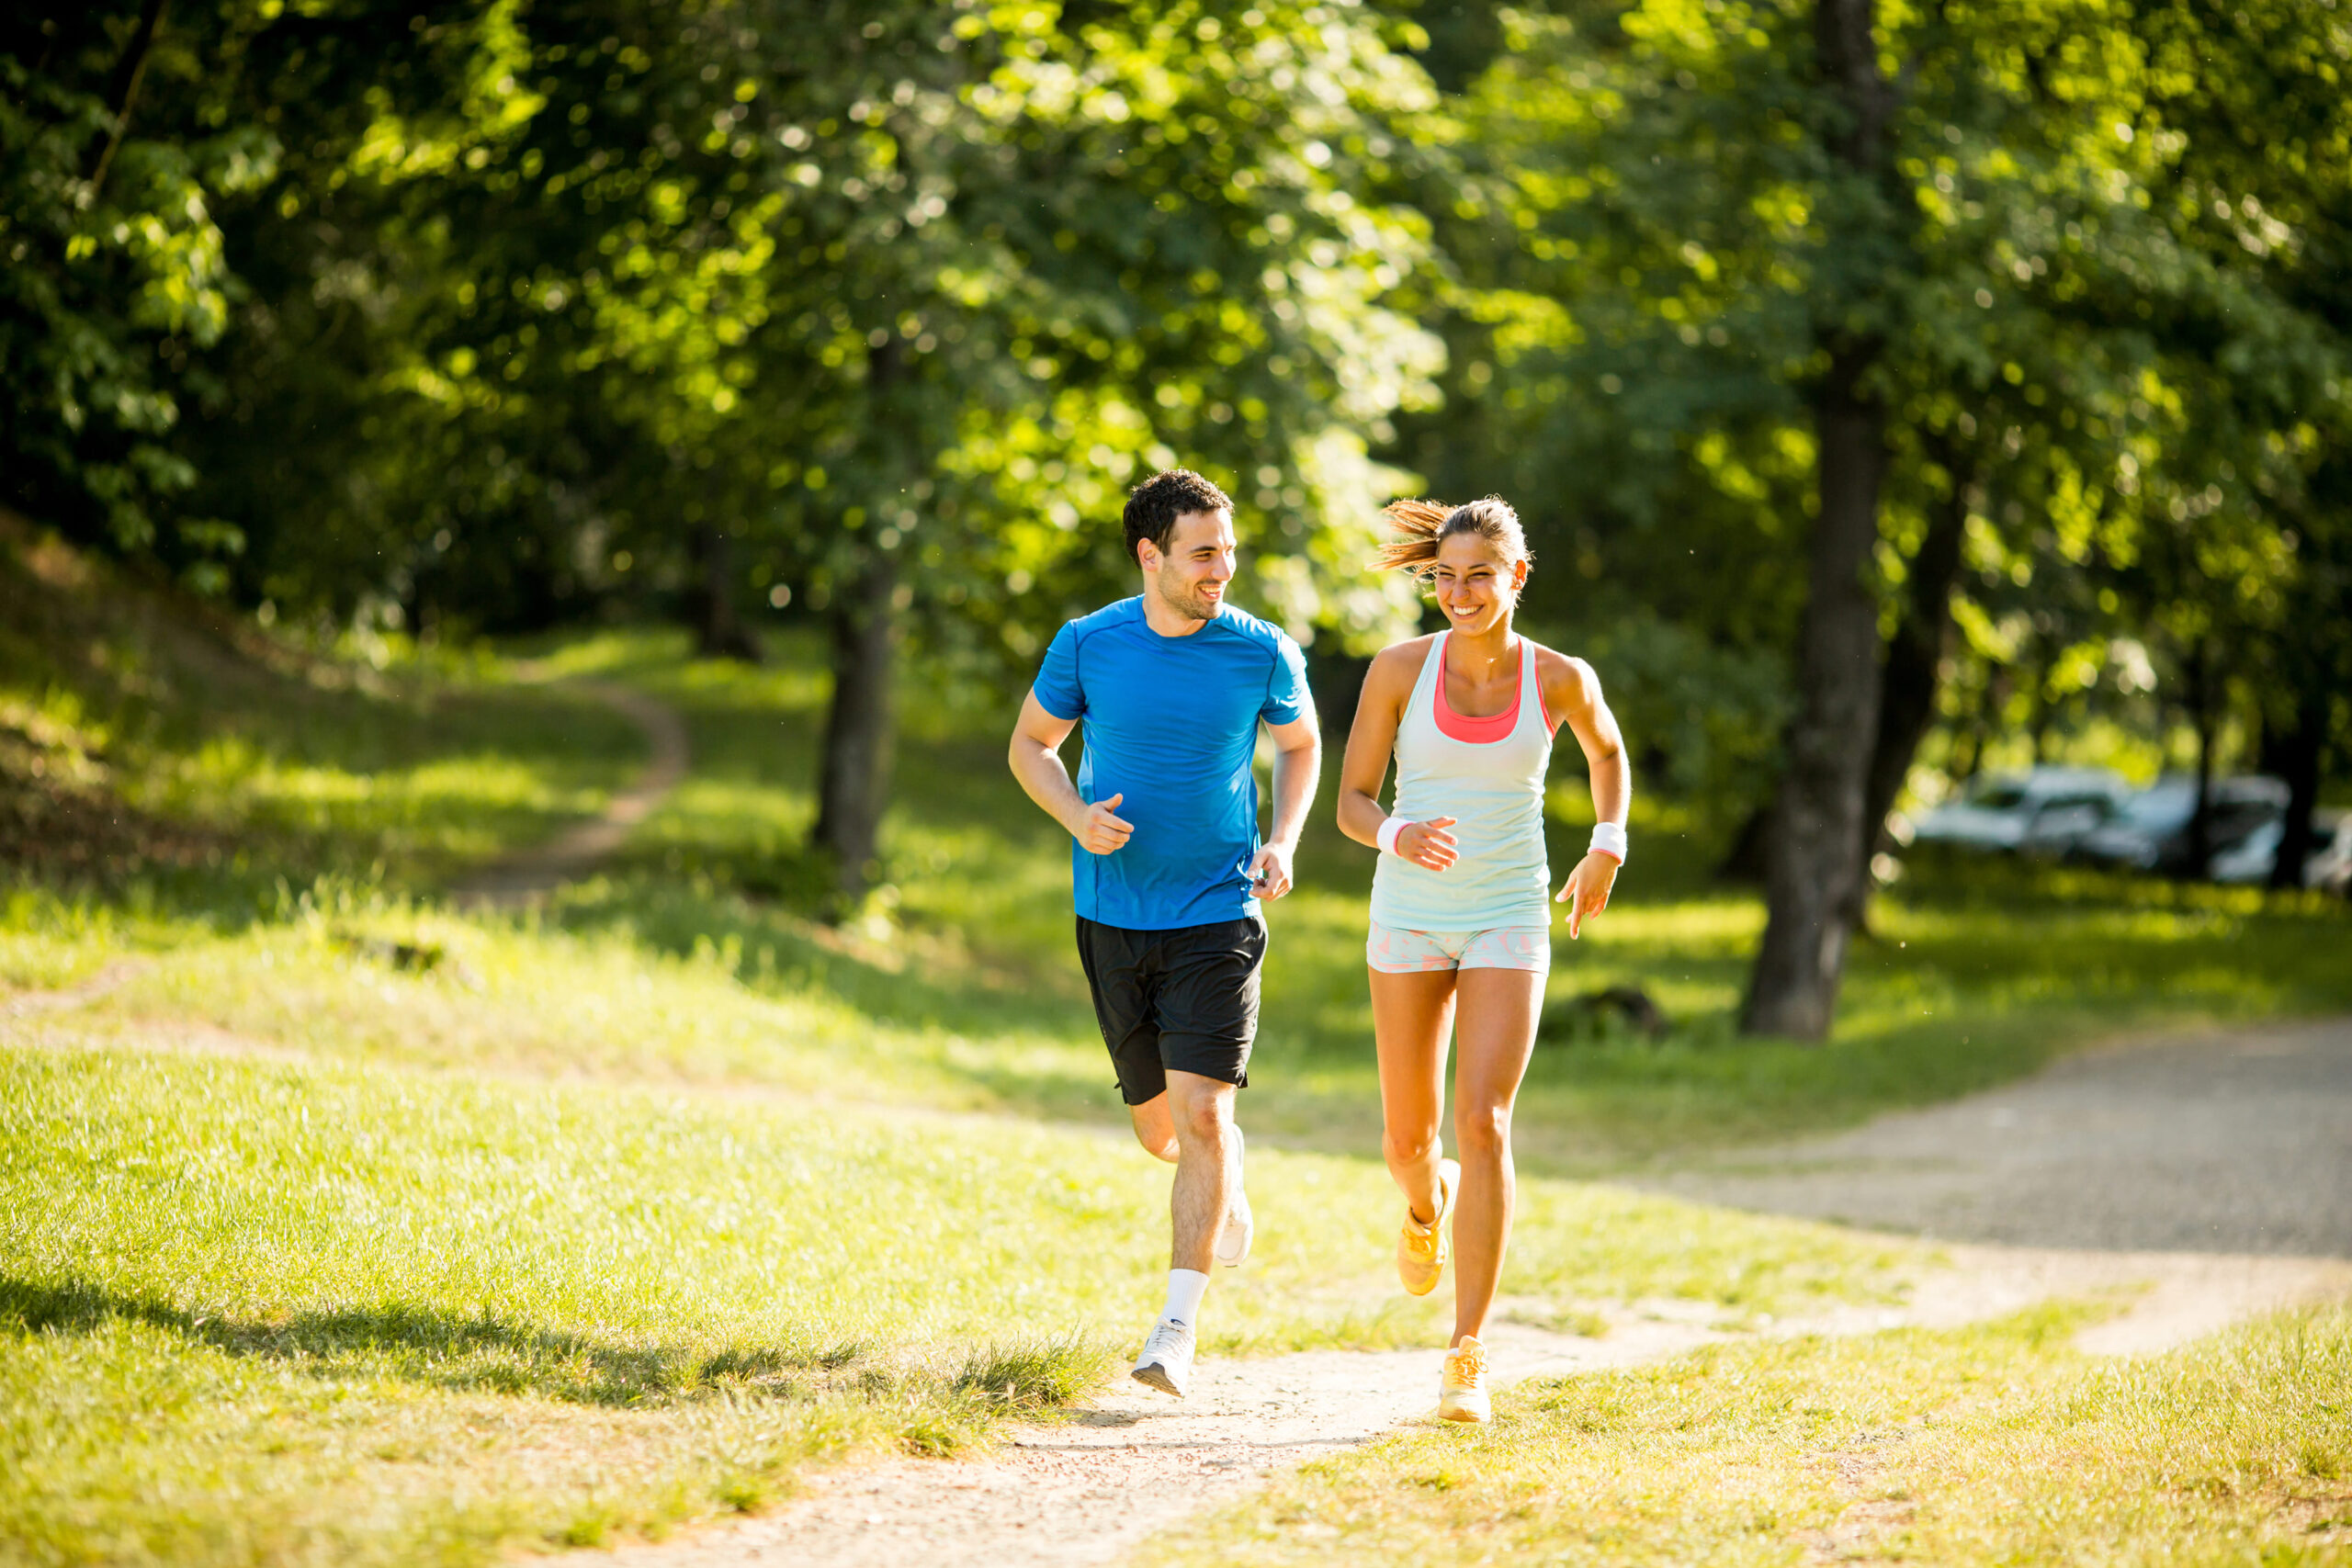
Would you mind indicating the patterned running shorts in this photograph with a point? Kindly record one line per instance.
(1395, 951)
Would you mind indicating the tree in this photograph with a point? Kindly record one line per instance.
(1721, 272)
(1814, 864)
(948, 250)
(610, 297)
(114, 276)
(2263, 189)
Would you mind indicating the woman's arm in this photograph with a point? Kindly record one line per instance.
(1573, 691)
(1372, 741)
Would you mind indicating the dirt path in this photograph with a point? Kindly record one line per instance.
(105, 983)
(2110, 1161)
(532, 873)
(1088, 1491)
(514, 879)
(1136, 1461)
(2210, 1175)
(2237, 1142)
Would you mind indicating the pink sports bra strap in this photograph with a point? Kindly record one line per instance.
(1493, 726)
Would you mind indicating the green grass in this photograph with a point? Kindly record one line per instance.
(615, 1214)
(1991, 1445)
(157, 753)
(1973, 973)
(266, 1290)
(606, 1216)
(280, 1311)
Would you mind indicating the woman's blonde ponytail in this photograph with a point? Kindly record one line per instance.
(1420, 527)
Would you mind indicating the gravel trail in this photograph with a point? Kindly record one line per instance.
(2210, 1176)
(2236, 1142)
(1134, 1462)
(1137, 1461)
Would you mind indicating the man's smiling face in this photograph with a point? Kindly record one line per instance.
(1198, 563)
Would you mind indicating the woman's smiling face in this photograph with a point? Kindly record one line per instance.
(1477, 587)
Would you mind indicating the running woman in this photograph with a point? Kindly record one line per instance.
(1461, 931)
(1167, 870)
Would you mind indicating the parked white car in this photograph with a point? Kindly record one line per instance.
(2251, 858)
(2040, 812)
(2151, 832)
(2329, 866)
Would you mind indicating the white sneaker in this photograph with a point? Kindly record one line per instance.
(1167, 1360)
(1233, 1238)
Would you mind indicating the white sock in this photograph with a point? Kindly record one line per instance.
(1185, 1289)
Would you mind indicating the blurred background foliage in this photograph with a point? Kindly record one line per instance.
(432, 321)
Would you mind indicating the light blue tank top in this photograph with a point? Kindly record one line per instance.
(1496, 790)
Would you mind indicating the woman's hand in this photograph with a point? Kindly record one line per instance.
(1586, 892)
(1428, 843)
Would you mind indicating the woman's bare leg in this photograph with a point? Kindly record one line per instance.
(1494, 1036)
(1410, 1017)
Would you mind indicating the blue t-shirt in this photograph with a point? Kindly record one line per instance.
(1171, 724)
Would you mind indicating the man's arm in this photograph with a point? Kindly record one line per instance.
(1298, 762)
(1035, 759)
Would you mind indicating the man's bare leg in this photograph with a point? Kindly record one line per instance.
(1201, 1112)
(1193, 1120)
(1154, 1129)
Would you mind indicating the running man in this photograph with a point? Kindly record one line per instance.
(1460, 931)
(1167, 869)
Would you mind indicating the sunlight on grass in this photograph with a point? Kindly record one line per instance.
(282, 1252)
(465, 806)
(349, 1225)
(1982, 1446)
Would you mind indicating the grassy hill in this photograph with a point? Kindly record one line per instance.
(341, 1222)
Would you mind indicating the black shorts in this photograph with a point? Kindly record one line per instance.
(1184, 1001)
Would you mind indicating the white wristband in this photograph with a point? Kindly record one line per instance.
(1389, 828)
(1608, 839)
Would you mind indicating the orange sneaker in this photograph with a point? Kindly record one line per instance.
(1462, 1393)
(1422, 1249)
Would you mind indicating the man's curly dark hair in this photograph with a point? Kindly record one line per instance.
(1154, 506)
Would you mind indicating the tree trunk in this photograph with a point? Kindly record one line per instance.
(1984, 720)
(719, 631)
(1815, 860)
(2044, 668)
(123, 91)
(1968, 739)
(1907, 682)
(854, 784)
(2201, 706)
(2297, 761)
